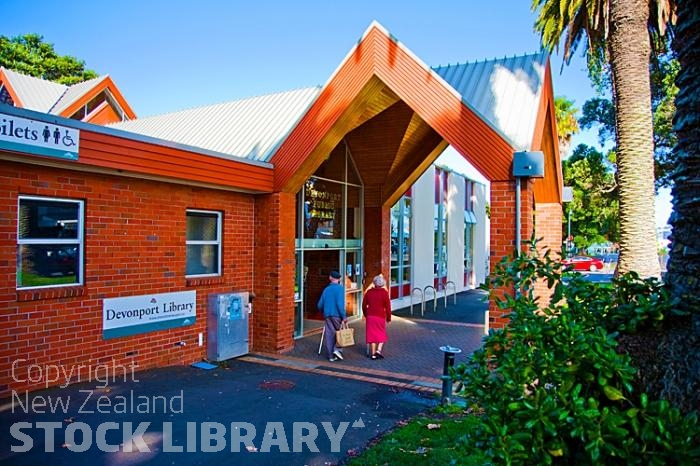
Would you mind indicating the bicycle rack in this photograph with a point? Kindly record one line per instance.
(454, 292)
(422, 306)
(434, 296)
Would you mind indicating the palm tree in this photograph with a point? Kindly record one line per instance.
(676, 364)
(621, 33)
(567, 123)
(684, 262)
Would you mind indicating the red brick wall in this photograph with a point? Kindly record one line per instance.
(377, 244)
(503, 231)
(548, 226)
(273, 309)
(134, 245)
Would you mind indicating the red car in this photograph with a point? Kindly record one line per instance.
(583, 264)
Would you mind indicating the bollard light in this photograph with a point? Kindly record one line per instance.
(449, 361)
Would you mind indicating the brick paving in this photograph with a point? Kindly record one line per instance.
(413, 358)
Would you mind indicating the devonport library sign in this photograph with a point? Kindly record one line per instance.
(140, 314)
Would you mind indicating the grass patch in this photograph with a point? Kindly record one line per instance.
(30, 279)
(426, 439)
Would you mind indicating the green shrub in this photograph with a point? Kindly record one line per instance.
(551, 385)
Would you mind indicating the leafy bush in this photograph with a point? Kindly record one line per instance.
(551, 385)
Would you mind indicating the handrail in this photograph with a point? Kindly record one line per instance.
(421, 300)
(454, 293)
(434, 296)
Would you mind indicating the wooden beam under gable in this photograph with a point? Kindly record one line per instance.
(320, 131)
(405, 175)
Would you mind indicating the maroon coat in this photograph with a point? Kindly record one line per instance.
(377, 303)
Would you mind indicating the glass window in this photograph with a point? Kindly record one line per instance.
(406, 227)
(203, 243)
(323, 209)
(401, 247)
(395, 215)
(440, 229)
(49, 242)
(95, 102)
(5, 97)
(353, 216)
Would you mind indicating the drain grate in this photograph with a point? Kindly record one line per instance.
(277, 385)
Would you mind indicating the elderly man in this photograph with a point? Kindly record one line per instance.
(332, 303)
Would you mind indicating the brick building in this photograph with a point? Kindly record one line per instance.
(113, 238)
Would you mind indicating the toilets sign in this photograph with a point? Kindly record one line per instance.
(38, 137)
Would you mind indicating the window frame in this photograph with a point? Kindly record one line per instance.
(218, 242)
(79, 241)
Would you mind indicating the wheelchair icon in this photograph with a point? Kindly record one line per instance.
(67, 140)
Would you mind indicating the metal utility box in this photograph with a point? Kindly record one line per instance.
(529, 164)
(227, 326)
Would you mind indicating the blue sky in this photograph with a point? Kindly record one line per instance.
(171, 55)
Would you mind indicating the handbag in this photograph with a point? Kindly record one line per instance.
(345, 336)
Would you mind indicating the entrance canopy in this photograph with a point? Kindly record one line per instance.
(397, 115)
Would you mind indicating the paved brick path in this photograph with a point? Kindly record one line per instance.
(412, 354)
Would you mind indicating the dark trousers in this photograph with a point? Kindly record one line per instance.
(331, 325)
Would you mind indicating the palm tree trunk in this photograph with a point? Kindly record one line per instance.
(684, 263)
(630, 50)
(679, 357)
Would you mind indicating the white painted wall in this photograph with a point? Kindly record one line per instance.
(453, 161)
(422, 241)
(423, 224)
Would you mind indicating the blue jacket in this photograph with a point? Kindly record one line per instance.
(332, 301)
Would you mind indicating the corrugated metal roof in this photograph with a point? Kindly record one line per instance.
(35, 93)
(249, 128)
(505, 92)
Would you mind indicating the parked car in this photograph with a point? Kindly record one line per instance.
(583, 263)
(609, 258)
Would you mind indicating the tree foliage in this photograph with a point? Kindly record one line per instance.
(29, 54)
(594, 208)
(566, 115)
(553, 387)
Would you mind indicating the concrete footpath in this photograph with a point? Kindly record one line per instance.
(296, 409)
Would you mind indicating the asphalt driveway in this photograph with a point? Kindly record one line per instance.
(245, 413)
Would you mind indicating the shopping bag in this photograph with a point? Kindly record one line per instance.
(345, 336)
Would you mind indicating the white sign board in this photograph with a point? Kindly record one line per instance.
(38, 137)
(567, 194)
(147, 313)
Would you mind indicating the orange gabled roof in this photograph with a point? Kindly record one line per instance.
(82, 96)
(44, 96)
(379, 57)
(546, 139)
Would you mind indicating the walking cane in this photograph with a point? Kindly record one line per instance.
(320, 343)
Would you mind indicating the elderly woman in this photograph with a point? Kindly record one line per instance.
(376, 307)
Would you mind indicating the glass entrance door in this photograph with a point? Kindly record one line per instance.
(353, 283)
(328, 237)
(318, 264)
